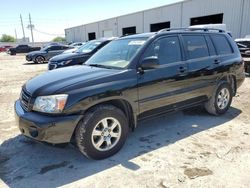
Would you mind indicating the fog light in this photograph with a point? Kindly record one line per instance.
(33, 132)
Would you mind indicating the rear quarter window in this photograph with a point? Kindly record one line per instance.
(196, 46)
(221, 44)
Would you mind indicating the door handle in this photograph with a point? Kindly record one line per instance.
(217, 61)
(182, 69)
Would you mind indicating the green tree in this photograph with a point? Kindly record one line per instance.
(7, 38)
(59, 39)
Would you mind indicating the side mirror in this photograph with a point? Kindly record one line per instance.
(150, 63)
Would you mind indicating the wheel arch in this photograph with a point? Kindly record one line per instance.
(123, 105)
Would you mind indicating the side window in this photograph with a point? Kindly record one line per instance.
(167, 50)
(54, 48)
(196, 46)
(64, 47)
(210, 46)
(221, 44)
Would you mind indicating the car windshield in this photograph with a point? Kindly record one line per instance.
(88, 47)
(45, 48)
(117, 54)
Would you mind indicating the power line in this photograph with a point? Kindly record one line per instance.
(45, 33)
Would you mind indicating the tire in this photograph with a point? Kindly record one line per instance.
(95, 146)
(39, 59)
(221, 100)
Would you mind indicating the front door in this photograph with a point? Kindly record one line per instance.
(162, 88)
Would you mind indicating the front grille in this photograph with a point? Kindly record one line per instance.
(25, 99)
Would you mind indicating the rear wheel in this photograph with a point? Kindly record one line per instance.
(39, 59)
(221, 100)
(102, 132)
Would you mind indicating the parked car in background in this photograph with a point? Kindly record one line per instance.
(245, 41)
(244, 50)
(46, 53)
(51, 44)
(22, 49)
(74, 49)
(77, 44)
(79, 56)
(5, 48)
(130, 79)
(244, 46)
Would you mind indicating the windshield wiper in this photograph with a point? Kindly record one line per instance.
(100, 66)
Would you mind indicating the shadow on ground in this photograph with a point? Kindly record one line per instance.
(25, 163)
(32, 63)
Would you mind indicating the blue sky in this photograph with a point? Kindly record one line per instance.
(53, 16)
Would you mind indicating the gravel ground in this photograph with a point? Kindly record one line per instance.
(184, 149)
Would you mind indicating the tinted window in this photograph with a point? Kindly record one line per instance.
(167, 50)
(210, 46)
(53, 48)
(221, 44)
(64, 47)
(196, 46)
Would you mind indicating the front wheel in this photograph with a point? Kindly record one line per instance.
(221, 100)
(39, 59)
(102, 132)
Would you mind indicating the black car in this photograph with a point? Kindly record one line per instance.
(130, 79)
(46, 53)
(22, 49)
(79, 56)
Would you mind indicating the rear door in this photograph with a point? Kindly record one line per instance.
(201, 60)
(160, 89)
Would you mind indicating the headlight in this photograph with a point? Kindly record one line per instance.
(50, 104)
(65, 62)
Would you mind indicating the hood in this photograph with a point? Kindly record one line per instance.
(36, 52)
(70, 51)
(51, 82)
(68, 56)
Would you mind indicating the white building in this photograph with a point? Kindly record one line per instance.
(234, 13)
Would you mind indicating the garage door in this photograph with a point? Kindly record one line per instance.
(107, 33)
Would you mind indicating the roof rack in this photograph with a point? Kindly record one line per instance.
(192, 29)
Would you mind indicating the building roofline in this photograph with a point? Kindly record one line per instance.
(142, 11)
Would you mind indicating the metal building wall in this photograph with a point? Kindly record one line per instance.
(231, 10)
(108, 25)
(90, 28)
(170, 13)
(245, 24)
(236, 15)
(130, 20)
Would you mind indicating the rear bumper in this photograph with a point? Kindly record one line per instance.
(247, 65)
(45, 128)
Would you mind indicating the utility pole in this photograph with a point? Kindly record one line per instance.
(22, 27)
(31, 29)
(15, 34)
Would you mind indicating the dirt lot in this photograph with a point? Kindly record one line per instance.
(184, 149)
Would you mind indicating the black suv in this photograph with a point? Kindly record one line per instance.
(78, 57)
(131, 78)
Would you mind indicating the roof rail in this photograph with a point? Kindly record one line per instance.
(192, 29)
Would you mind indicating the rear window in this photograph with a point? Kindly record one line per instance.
(221, 44)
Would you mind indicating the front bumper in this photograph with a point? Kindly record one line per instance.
(52, 66)
(28, 58)
(50, 129)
